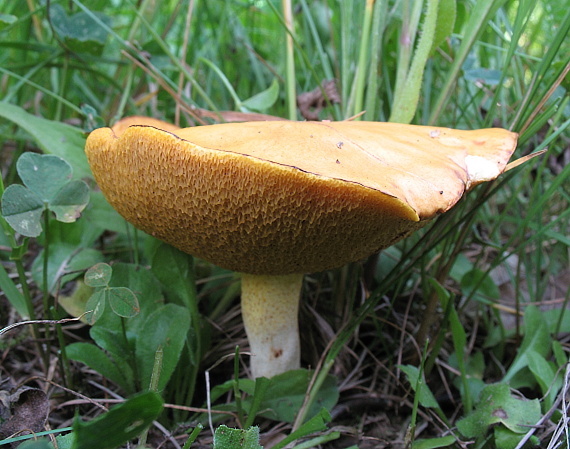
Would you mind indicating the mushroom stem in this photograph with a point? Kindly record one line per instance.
(269, 306)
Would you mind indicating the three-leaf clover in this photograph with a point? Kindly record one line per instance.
(47, 186)
(121, 299)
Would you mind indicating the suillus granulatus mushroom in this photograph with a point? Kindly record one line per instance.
(275, 200)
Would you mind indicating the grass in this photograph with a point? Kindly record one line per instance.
(417, 338)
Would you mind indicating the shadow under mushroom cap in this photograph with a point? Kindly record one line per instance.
(290, 197)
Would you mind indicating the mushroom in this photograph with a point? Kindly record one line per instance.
(275, 200)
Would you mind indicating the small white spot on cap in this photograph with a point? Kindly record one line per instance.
(480, 169)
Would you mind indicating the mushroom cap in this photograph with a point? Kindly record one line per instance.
(121, 126)
(290, 197)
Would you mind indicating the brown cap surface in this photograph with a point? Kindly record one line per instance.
(290, 197)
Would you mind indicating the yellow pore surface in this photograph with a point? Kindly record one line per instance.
(290, 197)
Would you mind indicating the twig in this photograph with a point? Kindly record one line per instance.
(22, 323)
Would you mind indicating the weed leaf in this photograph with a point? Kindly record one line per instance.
(479, 285)
(433, 443)
(168, 328)
(6, 20)
(65, 262)
(80, 32)
(42, 443)
(536, 339)
(427, 399)
(96, 359)
(227, 438)
(263, 100)
(285, 394)
(52, 137)
(173, 268)
(23, 210)
(121, 424)
(498, 406)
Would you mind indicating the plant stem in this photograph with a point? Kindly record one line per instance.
(406, 99)
(67, 378)
(363, 57)
(377, 29)
(290, 61)
(45, 288)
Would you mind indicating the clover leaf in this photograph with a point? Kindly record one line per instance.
(121, 299)
(47, 186)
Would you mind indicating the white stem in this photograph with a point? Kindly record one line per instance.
(269, 306)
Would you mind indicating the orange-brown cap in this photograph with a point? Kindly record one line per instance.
(290, 197)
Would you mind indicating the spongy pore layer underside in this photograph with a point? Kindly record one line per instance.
(287, 197)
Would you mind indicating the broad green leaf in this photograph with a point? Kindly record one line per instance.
(123, 302)
(120, 352)
(42, 443)
(227, 438)
(261, 386)
(80, 32)
(498, 406)
(74, 300)
(166, 328)
(98, 275)
(22, 209)
(14, 296)
(92, 119)
(427, 399)
(43, 174)
(173, 268)
(263, 100)
(6, 20)
(80, 234)
(479, 285)
(537, 339)
(461, 266)
(113, 342)
(507, 439)
(546, 376)
(66, 262)
(64, 441)
(286, 392)
(433, 443)
(541, 369)
(52, 137)
(489, 77)
(317, 423)
(70, 201)
(559, 353)
(101, 216)
(120, 424)
(459, 338)
(95, 358)
(474, 369)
